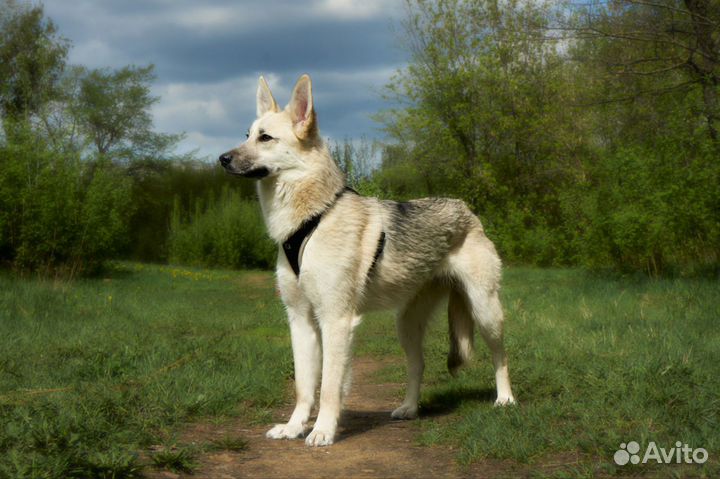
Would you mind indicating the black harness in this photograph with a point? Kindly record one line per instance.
(293, 245)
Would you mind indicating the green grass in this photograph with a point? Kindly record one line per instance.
(595, 362)
(229, 443)
(94, 373)
(177, 459)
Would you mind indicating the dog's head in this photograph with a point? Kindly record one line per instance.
(277, 138)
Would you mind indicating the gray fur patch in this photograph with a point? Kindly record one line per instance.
(420, 233)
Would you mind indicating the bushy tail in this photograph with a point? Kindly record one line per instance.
(462, 330)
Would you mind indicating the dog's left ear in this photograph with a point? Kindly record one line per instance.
(301, 108)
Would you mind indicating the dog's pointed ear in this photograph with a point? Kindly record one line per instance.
(301, 108)
(265, 100)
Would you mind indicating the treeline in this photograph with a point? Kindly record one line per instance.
(84, 177)
(581, 132)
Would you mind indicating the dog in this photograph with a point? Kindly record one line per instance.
(342, 254)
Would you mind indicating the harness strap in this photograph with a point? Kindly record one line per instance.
(378, 251)
(295, 244)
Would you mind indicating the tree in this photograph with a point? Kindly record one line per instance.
(66, 192)
(480, 83)
(580, 132)
(32, 59)
(113, 107)
(656, 48)
(481, 110)
(647, 80)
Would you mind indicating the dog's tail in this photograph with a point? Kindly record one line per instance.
(462, 330)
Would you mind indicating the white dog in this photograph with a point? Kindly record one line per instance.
(342, 254)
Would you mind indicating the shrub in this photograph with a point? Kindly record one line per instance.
(225, 232)
(58, 213)
(157, 184)
(653, 210)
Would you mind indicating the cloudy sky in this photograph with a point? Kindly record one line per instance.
(208, 56)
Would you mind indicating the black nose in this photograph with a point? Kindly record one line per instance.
(225, 159)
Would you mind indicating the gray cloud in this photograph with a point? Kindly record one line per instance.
(208, 56)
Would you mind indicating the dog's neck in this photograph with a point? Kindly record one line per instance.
(290, 199)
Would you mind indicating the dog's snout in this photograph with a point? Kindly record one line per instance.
(225, 159)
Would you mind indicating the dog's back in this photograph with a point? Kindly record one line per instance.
(421, 237)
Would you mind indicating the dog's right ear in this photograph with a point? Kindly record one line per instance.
(265, 100)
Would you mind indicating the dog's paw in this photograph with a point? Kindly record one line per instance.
(319, 438)
(504, 401)
(286, 431)
(405, 412)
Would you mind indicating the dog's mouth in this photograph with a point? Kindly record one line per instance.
(255, 173)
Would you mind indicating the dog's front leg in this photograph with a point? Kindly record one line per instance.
(306, 354)
(336, 344)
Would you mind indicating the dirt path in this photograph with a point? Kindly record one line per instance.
(370, 444)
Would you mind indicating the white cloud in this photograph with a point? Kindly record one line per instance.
(354, 83)
(204, 107)
(244, 15)
(213, 115)
(351, 9)
(208, 55)
(211, 18)
(206, 17)
(207, 147)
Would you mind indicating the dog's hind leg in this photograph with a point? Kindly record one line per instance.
(489, 315)
(306, 354)
(411, 323)
(476, 269)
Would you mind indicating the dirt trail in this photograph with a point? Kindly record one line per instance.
(369, 444)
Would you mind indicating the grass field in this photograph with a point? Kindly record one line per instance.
(595, 362)
(95, 373)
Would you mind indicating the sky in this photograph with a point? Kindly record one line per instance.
(208, 56)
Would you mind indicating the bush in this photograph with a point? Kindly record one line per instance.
(523, 236)
(58, 213)
(653, 210)
(157, 185)
(229, 232)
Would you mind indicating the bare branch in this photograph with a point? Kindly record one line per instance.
(638, 94)
(671, 8)
(661, 70)
(649, 39)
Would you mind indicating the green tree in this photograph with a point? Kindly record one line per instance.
(580, 132)
(481, 113)
(649, 49)
(648, 191)
(32, 59)
(113, 107)
(59, 213)
(65, 194)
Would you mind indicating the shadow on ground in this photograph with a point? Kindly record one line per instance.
(441, 403)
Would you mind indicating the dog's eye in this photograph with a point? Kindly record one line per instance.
(247, 134)
(265, 137)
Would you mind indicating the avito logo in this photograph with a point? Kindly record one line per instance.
(681, 453)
